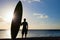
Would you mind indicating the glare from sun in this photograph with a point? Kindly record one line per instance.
(9, 16)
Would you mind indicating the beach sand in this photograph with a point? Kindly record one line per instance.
(36, 38)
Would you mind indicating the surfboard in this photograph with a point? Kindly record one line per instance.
(16, 21)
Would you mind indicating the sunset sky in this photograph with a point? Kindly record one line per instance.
(40, 14)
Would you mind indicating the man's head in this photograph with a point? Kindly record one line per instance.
(24, 19)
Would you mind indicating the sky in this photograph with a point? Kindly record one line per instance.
(40, 14)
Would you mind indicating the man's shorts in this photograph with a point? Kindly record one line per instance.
(24, 31)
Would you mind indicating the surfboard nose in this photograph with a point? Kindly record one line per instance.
(19, 3)
(18, 8)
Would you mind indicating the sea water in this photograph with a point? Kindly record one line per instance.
(32, 33)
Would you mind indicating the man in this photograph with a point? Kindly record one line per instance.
(25, 28)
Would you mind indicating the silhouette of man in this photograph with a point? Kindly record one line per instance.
(25, 28)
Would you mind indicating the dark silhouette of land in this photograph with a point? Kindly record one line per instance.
(36, 38)
(25, 28)
(16, 21)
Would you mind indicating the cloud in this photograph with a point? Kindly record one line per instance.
(1, 19)
(40, 15)
(30, 1)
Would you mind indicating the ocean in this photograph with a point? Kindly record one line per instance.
(32, 33)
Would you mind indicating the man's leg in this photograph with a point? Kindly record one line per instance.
(22, 33)
(25, 35)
